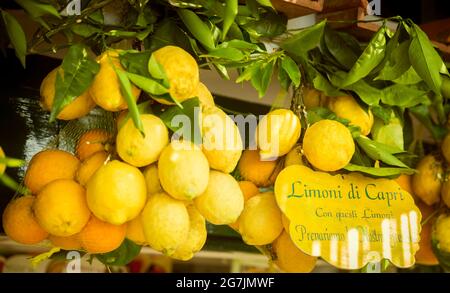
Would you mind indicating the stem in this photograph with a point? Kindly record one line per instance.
(433, 214)
(87, 11)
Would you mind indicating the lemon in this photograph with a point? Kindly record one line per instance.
(60, 207)
(223, 201)
(328, 145)
(289, 258)
(139, 150)
(222, 142)
(346, 107)
(441, 232)
(294, 157)
(260, 221)
(196, 237)
(313, 98)
(106, 89)
(181, 70)
(427, 182)
(79, 107)
(116, 193)
(277, 132)
(152, 179)
(286, 222)
(135, 231)
(445, 193)
(183, 170)
(445, 147)
(89, 166)
(204, 95)
(165, 221)
(2, 166)
(252, 168)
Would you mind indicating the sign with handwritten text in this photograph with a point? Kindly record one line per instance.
(349, 220)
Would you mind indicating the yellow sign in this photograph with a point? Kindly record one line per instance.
(349, 220)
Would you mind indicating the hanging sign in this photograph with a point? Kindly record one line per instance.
(349, 220)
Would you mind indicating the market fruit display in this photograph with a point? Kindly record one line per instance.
(170, 160)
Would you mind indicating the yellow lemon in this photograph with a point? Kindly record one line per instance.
(19, 221)
(249, 189)
(445, 147)
(79, 107)
(152, 179)
(204, 95)
(116, 193)
(277, 133)
(60, 207)
(135, 231)
(289, 258)
(260, 221)
(328, 145)
(294, 157)
(427, 182)
(346, 107)
(286, 222)
(252, 168)
(138, 150)
(313, 98)
(445, 193)
(196, 237)
(105, 89)
(222, 202)
(181, 70)
(222, 142)
(441, 232)
(2, 166)
(183, 170)
(165, 221)
(89, 166)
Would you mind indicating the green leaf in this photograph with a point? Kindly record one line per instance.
(16, 36)
(381, 152)
(410, 76)
(372, 55)
(36, 9)
(321, 83)
(190, 111)
(222, 70)
(291, 68)
(368, 94)
(422, 113)
(339, 48)
(229, 53)
(268, 25)
(283, 77)
(397, 63)
(265, 3)
(85, 30)
(125, 87)
(76, 75)
(241, 45)
(383, 113)
(249, 72)
(197, 27)
(136, 62)
(379, 172)
(167, 33)
(231, 10)
(122, 255)
(261, 79)
(425, 60)
(305, 40)
(148, 85)
(12, 162)
(157, 71)
(404, 96)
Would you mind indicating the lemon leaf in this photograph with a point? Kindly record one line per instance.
(35, 261)
(122, 255)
